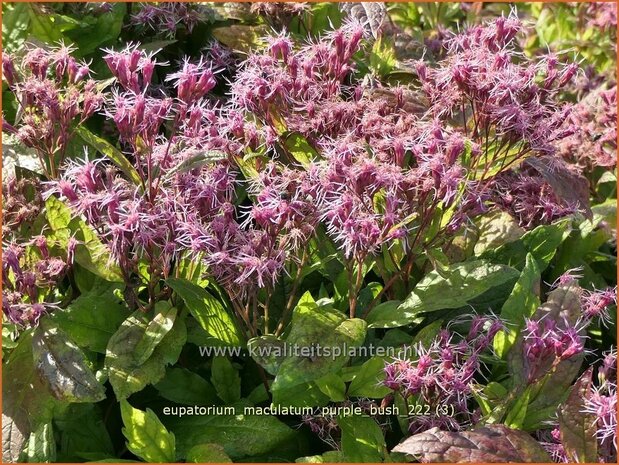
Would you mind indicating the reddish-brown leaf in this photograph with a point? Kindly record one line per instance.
(578, 429)
(493, 443)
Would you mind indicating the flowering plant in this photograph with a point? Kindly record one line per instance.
(279, 232)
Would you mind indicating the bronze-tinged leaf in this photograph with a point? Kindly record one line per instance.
(494, 443)
(578, 429)
(570, 186)
(240, 38)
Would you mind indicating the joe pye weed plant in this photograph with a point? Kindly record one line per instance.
(251, 177)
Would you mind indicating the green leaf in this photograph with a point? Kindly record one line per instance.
(146, 436)
(332, 386)
(300, 395)
(226, 380)
(382, 58)
(156, 330)
(41, 446)
(521, 304)
(240, 435)
(457, 285)
(45, 27)
(382, 311)
(90, 252)
(105, 148)
(240, 38)
(541, 242)
(362, 439)
(196, 161)
(314, 325)
(82, 434)
(92, 318)
(63, 366)
(300, 149)
(577, 428)
(15, 22)
(207, 453)
(495, 230)
(125, 375)
(518, 412)
(209, 312)
(367, 383)
(268, 351)
(58, 214)
(97, 31)
(186, 387)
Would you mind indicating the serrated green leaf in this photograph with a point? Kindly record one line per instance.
(15, 22)
(92, 318)
(367, 382)
(451, 288)
(268, 351)
(541, 242)
(521, 304)
(362, 439)
(226, 380)
(186, 387)
(41, 446)
(90, 252)
(157, 328)
(125, 375)
(82, 434)
(208, 311)
(312, 326)
(300, 149)
(332, 386)
(300, 395)
(240, 435)
(518, 411)
(146, 436)
(208, 453)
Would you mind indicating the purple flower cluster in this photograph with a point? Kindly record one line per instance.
(594, 143)
(382, 172)
(443, 374)
(54, 92)
(546, 343)
(528, 198)
(30, 272)
(21, 204)
(602, 15)
(166, 17)
(507, 102)
(602, 403)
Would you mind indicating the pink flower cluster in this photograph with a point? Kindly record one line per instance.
(166, 17)
(381, 170)
(594, 143)
(443, 375)
(29, 278)
(55, 93)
